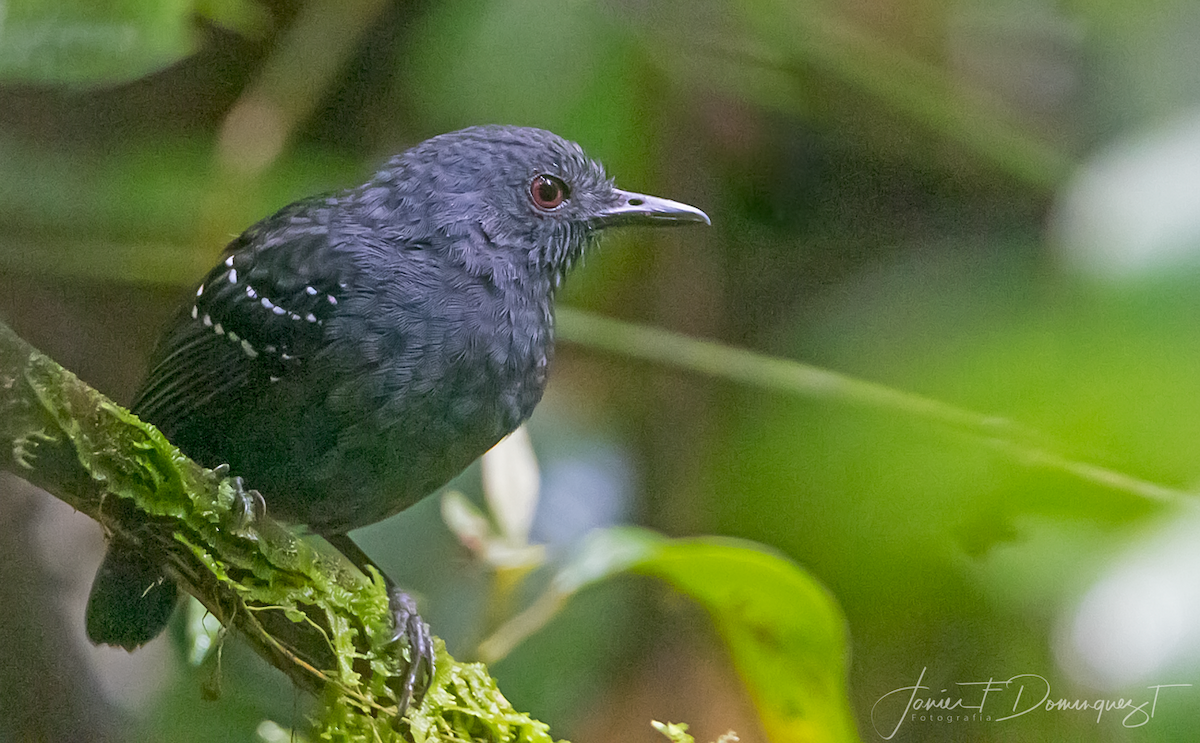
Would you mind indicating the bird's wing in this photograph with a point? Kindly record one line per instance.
(252, 321)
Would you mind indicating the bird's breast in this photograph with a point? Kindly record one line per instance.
(502, 358)
(427, 382)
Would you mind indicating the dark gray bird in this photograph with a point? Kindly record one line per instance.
(353, 352)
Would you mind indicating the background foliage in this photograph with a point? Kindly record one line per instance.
(992, 204)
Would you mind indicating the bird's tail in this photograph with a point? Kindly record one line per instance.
(131, 600)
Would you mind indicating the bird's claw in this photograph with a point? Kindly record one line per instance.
(248, 504)
(410, 688)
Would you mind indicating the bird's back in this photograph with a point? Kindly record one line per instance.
(346, 371)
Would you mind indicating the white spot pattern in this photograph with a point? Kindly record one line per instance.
(272, 349)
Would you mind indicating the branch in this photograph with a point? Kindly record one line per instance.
(304, 608)
(789, 377)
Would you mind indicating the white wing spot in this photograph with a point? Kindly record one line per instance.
(332, 299)
(207, 321)
(266, 303)
(200, 291)
(249, 349)
(310, 291)
(234, 336)
(220, 330)
(279, 310)
(233, 276)
(310, 317)
(195, 312)
(229, 261)
(250, 292)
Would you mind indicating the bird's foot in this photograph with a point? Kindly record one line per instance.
(411, 686)
(248, 504)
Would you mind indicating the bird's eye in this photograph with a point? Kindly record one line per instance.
(547, 191)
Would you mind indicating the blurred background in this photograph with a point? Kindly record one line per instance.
(995, 204)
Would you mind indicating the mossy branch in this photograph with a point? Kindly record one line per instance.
(300, 605)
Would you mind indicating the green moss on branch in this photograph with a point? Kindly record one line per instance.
(302, 606)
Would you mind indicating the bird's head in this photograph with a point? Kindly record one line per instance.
(529, 197)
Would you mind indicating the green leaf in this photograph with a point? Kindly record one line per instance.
(78, 42)
(785, 633)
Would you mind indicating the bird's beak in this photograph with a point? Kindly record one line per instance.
(636, 208)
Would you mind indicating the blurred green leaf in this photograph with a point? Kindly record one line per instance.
(784, 631)
(940, 551)
(560, 66)
(148, 212)
(801, 38)
(77, 42)
(237, 15)
(1019, 443)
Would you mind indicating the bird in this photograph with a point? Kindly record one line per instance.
(350, 354)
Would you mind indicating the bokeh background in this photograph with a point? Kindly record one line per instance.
(991, 204)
